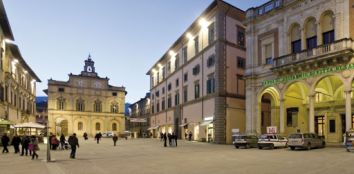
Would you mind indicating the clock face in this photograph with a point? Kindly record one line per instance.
(89, 69)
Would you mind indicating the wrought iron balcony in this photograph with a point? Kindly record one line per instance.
(339, 49)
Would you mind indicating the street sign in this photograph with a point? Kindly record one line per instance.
(271, 129)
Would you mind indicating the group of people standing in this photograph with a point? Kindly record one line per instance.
(54, 142)
(172, 139)
(28, 144)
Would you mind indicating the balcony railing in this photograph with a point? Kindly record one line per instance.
(312, 54)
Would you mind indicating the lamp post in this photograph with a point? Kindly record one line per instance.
(48, 144)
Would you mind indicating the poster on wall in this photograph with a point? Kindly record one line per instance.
(271, 130)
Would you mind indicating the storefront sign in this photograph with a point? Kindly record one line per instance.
(208, 118)
(138, 120)
(271, 129)
(304, 75)
(235, 131)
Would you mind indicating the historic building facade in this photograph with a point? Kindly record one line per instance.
(85, 103)
(17, 79)
(139, 117)
(197, 86)
(300, 67)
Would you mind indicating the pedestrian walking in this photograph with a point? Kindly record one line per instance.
(25, 143)
(164, 139)
(115, 139)
(161, 136)
(97, 137)
(85, 136)
(5, 142)
(175, 138)
(190, 136)
(169, 136)
(62, 142)
(16, 140)
(73, 141)
(34, 147)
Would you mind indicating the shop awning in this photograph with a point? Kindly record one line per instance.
(184, 124)
(205, 123)
(151, 128)
(6, 122)
(29, 125)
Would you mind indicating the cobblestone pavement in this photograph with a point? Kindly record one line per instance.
(148, 156)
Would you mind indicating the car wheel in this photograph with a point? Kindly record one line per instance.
(247, 146)
(272, 146)
(308, 146)
(236, 147)
(292, 148)
(260, 147)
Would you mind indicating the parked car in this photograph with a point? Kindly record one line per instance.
(246, 141)
(272, 141)
(305, 141)
(107, 134)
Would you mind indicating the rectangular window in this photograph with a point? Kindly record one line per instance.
(158, 77)
(185, 94)
(211, 33)
(240, 36)
(61, 89)
(163, 90)
(169, 87)
(177, 82)
(185, 77)
(241, 62)
(169, 66)
(196, 70)
(268, 7)
(177, 98)
(153, 108)
(114, 94)
(211, 61)
(296, 46)
(169, 102)
(157, 93)
(196, 44)
(158, 107)
(163, 73)
(196, 90)
(311, 42)
(163, 104)
(185, 54)
(328, 37)
(291, 117)
(268, 54)
(177, 62)
(211, 84)
(332, 126)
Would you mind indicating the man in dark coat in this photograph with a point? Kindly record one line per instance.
(164, 139)
(5, 142)
(62, 142)
(24, 143)
(97, 137)
(175, 138)
(16, 140)
(115, 139)
(73, 141)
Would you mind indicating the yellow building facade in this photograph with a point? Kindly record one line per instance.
(17, 79)
(85, 103)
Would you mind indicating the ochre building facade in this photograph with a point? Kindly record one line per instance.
(85, 103)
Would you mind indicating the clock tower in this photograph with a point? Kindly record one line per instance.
(89, 68)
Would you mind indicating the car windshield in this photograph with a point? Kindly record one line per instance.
(295, 136)
(240, 137)
(266, 136)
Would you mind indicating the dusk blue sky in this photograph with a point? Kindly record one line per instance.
(125, 38)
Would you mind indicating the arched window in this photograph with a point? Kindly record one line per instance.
(114, 126)
(114, 108)
(295, 38)
(311, 33)
(60, 103)
(80, 105)
(327, 27)
(80, 126)
(98, 126)
(97, 106)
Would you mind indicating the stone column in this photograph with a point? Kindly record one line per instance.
(348, 110)
(282, 116)
(303, 39)
(312, 113)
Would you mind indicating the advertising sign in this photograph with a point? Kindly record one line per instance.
(271, 129)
